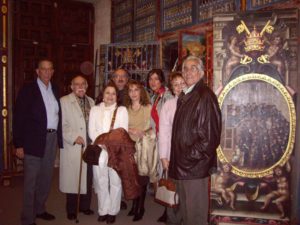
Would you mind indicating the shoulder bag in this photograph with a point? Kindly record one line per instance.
(92, 151)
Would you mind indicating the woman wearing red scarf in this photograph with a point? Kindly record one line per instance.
(160, 94)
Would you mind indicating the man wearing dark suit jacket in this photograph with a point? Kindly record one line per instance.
(36, 133)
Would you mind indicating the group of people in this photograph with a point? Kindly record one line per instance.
(175, 129)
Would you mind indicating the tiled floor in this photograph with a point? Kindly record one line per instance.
(11, 200)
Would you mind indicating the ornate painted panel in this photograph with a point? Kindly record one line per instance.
(255, 76)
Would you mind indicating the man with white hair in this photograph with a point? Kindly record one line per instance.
(36, 133)
(75, 114)
(195, 137)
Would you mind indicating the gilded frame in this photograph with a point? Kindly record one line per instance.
(292, 123)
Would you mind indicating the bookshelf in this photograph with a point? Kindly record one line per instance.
(122, 20)
(176, 14)
(145, 20)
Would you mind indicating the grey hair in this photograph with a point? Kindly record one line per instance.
(200, 66)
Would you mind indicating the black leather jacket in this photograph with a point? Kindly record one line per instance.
(195, 134)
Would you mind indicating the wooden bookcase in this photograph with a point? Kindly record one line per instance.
(176, 14)
(145, 20)
(206, 9)
(258, 4)
(62, 31)
(134, 20)
(122, 20)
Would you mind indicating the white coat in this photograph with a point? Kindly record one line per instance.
(73, 125)
(107, 183)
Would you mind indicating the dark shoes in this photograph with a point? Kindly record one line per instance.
(32, 224)
(110, 219)
(163, 218)
(102, 218)
(45, 216)
(123, 205)
(131, 212)
(133, 208)
(71, 216)
(87, 212)
(139, 215)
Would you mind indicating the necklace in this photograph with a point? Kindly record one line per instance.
(136, 109)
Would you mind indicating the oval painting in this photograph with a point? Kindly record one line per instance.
(258, 125)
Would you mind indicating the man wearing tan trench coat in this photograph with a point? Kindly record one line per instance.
(75, 114)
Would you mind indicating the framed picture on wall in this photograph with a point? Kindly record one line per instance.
(191, 43)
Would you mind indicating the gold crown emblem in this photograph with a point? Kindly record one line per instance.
(254, 41)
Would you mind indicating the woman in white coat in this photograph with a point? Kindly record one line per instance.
(75, 113)
(107, 182)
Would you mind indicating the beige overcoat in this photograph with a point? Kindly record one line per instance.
(73, 125)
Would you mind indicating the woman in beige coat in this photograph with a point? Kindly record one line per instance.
(75, 114)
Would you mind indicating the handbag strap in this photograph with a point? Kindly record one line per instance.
(165, 174)
(113, 119)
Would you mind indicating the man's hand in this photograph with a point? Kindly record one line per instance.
(79, 140)
(20, 153)
(165, 164)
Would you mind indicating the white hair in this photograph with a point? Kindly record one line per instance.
(199, 62)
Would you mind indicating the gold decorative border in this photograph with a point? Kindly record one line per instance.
(4, 86)
(292, 114)
(4, 113)
(4, 23)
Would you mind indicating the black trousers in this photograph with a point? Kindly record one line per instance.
(85, 200)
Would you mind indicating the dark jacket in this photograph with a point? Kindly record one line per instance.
(30, 120)
(195, 134)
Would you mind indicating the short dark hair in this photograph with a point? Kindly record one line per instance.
(38, 63)
(160, 75)
(125, 70)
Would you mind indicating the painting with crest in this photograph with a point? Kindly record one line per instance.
(255, 67)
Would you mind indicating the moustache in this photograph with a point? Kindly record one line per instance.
(81, 89)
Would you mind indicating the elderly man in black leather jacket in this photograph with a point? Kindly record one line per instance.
(195, 138)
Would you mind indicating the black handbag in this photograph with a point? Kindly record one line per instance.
(92, 152)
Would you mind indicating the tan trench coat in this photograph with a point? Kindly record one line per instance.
(73, 125)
